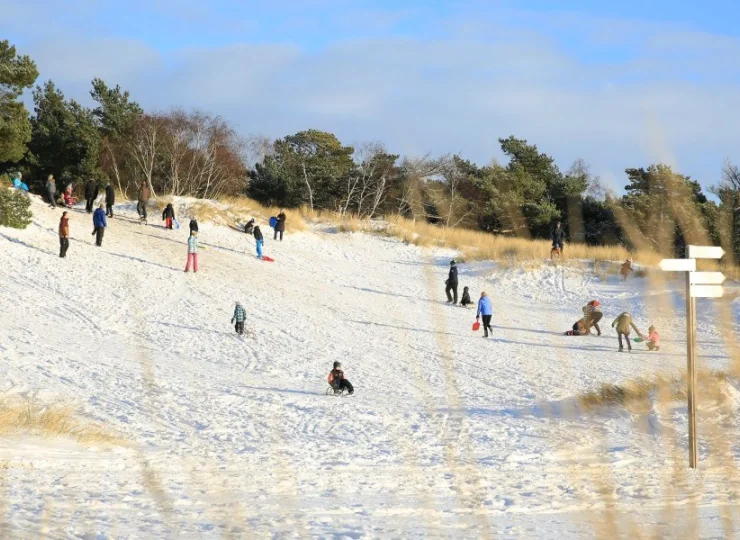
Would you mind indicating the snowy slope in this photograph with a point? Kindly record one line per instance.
(448, 436)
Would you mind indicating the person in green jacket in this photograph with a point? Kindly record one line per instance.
(623, 324)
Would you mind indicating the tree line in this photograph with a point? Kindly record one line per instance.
(179, 152)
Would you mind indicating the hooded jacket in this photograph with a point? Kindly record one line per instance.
(623, 324)
(257, 233)
(99, 218)
(239, 314)
(91, 190)
(452, 277)
(169, 212)
(280, 226)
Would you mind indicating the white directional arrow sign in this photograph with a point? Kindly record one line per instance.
(705, 252)
(707, 291)
(678, 265)
(706, 278)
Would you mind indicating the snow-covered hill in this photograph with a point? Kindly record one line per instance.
(448, 435)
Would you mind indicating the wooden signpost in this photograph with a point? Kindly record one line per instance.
(698, 285)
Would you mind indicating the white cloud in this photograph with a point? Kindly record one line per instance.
(458, 93)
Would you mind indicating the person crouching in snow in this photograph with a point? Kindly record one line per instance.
(466, 301)
(653, 340)
(626, 269)
(239, 316)
(192, 251)
(486, 310)
(337, 381)
(623, 324)
(259, 240)
(168, 216)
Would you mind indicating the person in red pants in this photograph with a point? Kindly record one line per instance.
(168, 216)
(192, 252)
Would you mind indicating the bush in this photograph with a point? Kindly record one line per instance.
(14, 209)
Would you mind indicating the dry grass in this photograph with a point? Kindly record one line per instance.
(30, 418)
(638, 393)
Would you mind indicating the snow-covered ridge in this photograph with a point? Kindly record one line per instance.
(449, 435)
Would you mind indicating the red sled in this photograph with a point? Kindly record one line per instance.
(476, 326)
(267, 259)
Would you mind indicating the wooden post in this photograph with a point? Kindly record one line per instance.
(691, 372)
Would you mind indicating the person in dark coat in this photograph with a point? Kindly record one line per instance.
(193, 225)
(558, 238)
(249, 227)
(337, 381)
(100, 223)
(51, 190)
(452, 284)
(63, 235)
(91, 193)
(144, 194)
(280, 226)
(110, 200)
(259, 240)
(168, 216)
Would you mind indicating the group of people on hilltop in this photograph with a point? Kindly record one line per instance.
(623, 324)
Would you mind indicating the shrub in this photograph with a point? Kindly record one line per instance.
(15, 209)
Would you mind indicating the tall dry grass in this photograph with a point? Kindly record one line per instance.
(26, 417)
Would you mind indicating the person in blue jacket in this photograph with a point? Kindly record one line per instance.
(100, 223)
(486, 310)
(17, 184)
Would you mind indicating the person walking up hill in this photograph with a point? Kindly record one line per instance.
(63, 235)
(110, 200)
(51, 191)
(91, 193)
(485, 309)
(168, 216)
(280, 226)
(144, 194)
(452, 284)
(100, 223)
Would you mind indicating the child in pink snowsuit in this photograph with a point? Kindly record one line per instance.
(192, 251)
(653, 340)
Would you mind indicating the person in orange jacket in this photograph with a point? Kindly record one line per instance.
(337, 381)
(626, 269)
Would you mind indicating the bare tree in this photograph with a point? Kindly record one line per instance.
(145, 146)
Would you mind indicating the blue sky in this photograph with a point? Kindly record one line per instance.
(619, 84)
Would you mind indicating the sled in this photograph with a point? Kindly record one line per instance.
(476, 326)
(273, 222)
(177, 223)
(267, 259)
(331, 391)
(638, 340)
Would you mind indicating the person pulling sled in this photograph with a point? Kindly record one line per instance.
(337, 382)
(239, 317)
(624, 324)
